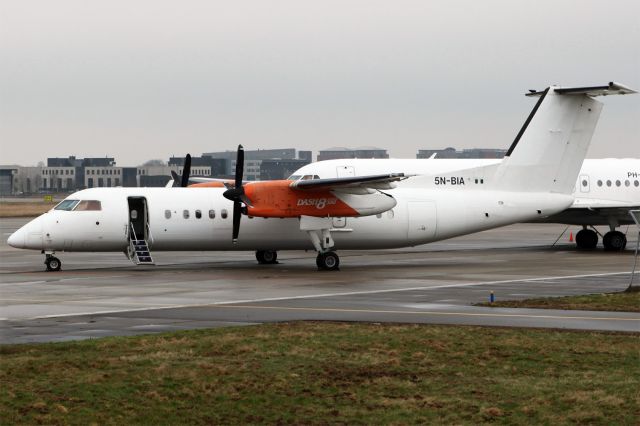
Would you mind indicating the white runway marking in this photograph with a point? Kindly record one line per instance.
(316, 296)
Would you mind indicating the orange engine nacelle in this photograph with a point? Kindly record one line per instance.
(277, 199)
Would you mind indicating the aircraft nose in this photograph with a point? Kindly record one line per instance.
(17, 239)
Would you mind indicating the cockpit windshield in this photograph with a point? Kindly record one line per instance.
(79, 205)
(88, 205)
(305, 177)
(66, 205)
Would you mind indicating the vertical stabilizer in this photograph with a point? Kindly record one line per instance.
(548, 151)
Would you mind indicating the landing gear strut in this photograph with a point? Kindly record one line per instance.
(586, 239)
(52, 262)
(614, 241)
(319, 231)
(267, 257)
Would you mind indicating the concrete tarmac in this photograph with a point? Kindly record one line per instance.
(104, 294)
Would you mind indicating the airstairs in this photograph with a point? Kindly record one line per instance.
(139, 250)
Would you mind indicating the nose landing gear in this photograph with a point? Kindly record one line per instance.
(53, 263)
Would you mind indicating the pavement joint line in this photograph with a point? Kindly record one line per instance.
(312, 296)
(471, 314)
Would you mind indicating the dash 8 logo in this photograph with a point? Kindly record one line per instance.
(320, 203)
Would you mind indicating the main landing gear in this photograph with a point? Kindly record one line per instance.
(53, 263)
(319, 231)
(267, 257)
(587, 239)
(614, 241)
(328, 261)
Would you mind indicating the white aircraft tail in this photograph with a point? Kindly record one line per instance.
(547, 153)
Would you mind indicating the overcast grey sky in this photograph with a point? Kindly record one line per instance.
(149, 79)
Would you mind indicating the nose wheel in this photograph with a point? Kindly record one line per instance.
(53, 263)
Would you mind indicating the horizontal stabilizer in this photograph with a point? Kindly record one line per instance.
(612, 88)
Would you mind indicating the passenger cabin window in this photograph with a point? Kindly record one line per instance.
(608, 183)
(198, 214)
(224, 213)
(212, 214)
(86, 205)
(66, 205)
(167, 214)
(599, 183)
(185, 214)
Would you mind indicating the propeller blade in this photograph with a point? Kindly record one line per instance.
(176, 179)
(239, 166)
(237, 195)
(186, 171)
(237, 212)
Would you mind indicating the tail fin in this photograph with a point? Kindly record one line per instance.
(547, 153)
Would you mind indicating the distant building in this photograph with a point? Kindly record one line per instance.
(305, 155)
(361, 152)
(216, 167)
(27, 180)
(7, 174)
(102, 177)
(253, 160)
(68, 174)
(465, 153)
(157, 176)
(273, 169)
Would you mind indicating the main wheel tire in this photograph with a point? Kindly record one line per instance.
(53, 264)
(267, 257)
(614, 241)
(328, 261)
(586, 239)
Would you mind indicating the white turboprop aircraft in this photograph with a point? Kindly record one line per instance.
(534, 180)
(605, 191)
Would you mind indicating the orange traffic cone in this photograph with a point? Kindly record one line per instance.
(571, 237)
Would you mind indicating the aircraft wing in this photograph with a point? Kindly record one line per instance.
(592, 212)
(594, 203)
(195, 179)
(353, 184)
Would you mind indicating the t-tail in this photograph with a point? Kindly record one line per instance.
(549, 149)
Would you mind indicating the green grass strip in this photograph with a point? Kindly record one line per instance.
(620, 302)
(319, 373)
